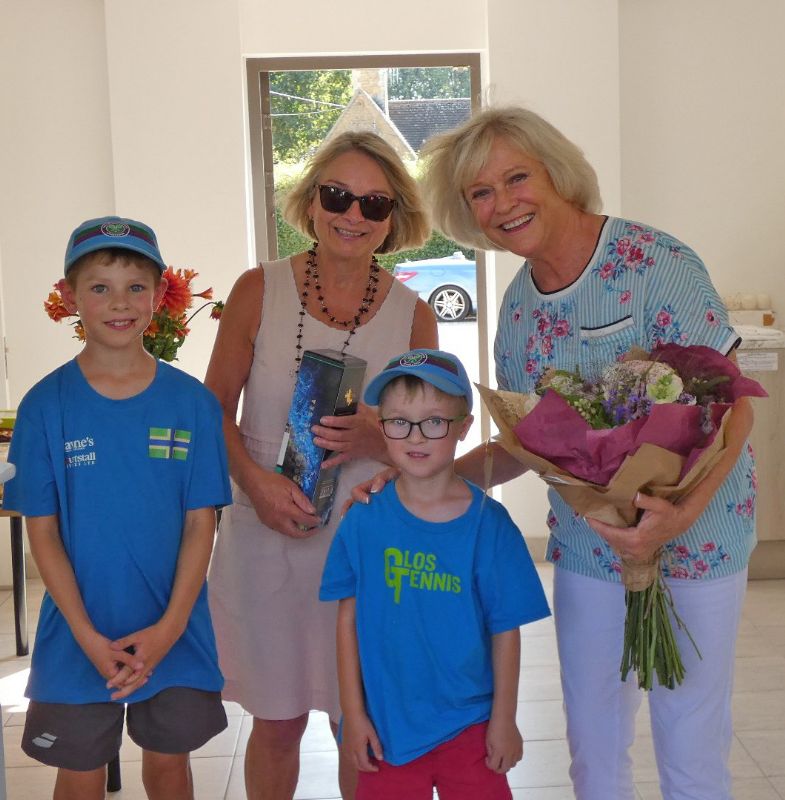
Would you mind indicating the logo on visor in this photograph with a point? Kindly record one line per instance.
(115, 229)
(413, 359)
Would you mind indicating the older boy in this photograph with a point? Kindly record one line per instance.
(120, 465)
(434, 580)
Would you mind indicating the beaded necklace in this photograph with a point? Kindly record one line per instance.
(312, 278)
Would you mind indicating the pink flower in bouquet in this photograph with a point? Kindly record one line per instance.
(676, 402)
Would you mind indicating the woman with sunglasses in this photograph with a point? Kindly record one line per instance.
(276, 641)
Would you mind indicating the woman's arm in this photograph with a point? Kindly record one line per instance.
(488, 465)
(424, 330)
(279, 503)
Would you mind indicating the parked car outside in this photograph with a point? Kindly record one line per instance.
(448, 285)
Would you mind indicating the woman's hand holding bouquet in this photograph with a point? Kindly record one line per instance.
(622, 451)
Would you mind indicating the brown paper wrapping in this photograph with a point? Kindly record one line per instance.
(651, 469)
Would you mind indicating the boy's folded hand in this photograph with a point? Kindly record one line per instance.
(110, 664)
(149, 646)
(503, 745)
(359, 736)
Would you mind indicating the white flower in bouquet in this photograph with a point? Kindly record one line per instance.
(659, 382)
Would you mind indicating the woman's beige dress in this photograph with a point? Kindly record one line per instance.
(276, 640)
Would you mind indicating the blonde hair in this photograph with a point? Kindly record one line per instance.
(453, 160)
(410, 224)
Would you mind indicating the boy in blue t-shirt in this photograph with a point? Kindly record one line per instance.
(120, 465)
(434, 580)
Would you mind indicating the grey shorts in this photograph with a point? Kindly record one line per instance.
(87, 736)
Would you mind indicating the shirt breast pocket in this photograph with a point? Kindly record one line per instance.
(602, 345)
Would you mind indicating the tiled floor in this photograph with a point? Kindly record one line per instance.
(758, 756)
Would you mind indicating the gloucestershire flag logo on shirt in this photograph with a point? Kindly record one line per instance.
(169, 443)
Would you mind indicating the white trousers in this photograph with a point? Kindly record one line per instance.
(691, 725)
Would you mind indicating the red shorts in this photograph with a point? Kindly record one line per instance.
(456, 768)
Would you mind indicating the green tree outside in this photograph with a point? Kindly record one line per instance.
(419, 83)
(304, 106)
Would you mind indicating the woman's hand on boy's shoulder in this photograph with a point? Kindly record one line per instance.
(363, 492)
(359, 736)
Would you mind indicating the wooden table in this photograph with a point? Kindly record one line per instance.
(19, 577)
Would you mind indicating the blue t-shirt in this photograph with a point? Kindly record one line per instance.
(641, 287)
(120, 476)
(429, 597)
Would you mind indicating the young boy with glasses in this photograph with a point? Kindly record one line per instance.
(434, 580)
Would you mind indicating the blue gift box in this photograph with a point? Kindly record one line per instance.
(328, 384)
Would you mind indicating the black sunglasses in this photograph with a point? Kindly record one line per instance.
(375, 207)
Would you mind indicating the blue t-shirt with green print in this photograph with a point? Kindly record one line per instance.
(430, 595)
(120, 476)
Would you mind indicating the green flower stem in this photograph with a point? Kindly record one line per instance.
(650, 646)
(204, 305)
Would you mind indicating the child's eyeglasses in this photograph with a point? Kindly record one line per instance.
(375, 207)
(431, 428)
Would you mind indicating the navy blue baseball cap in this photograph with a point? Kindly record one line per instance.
(440, 369)
(108, 232)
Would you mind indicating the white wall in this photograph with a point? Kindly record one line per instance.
(176, 85)
(404, 26)
(703, 132)
(55, 164)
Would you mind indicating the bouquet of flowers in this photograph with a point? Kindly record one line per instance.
(654, 423)
(169, 326)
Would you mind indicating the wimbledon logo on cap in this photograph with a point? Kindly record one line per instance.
(115, 229)
(413, 359)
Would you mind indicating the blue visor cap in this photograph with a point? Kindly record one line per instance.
(440, 369)
(113, 232)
